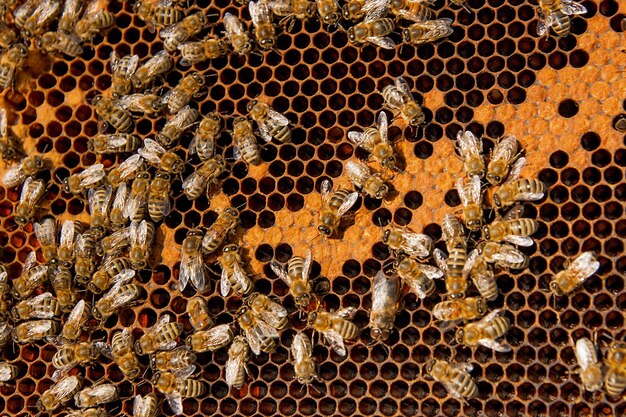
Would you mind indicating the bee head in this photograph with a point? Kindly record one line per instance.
(153, 362)
(382, 191)
(554, 287)
(250, 106)
(303, 300)
(351, 34)
(496, 200)
(345, 11)
(406, 34)
(312, 317)
(324, 230)
(198, 78)
(390, 161)
(486, 233)
(460, 335)
(481, 306)
(386, 236)
(493, 178)
(379, 334)
(96, 99)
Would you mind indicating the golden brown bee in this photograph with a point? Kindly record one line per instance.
(8, 36)
(113, 244)
(75, 322)
(187, 88)
(577, 272)
(419, 277)
(485, 332)
(32, 276)
(179, 32)
(135, 208)
(482, 276)
(203, 142)
(416, 11)
(32, 192)
(514, 190)
(124, 355)
(236, 369)
(355, 10)
(556, 14)
(46, 235)
(192, 267)
(512, 228)
(69, 15)
(112, 271)
(271, 123)
(290, 10)
(259, 334)
(34, 21)
(5, 299)
(72, 355)
(126, 170)
(211, 47)
(93, 21)
(297, 278)
(161, 336)
(267, 310)
(172, 360)
(590, 368)
(427, 31)
(385, 298)
(225, 224)
(116, 215)
(8, 372)
(117, 117)
(160, 158)
(472, 200)
(236, 35)
(42, 306)
(154, 67)
(99, 201)
(198, 311)
(60, 42)
(460, 310)
(335, 206)
(59, 393)
(28, 167)
(328, 11)
(119, 296)
(11, 148)
(456, 270)
(374, 31)
(233, 273)
(503, 255)
(147, 406)
(158, 13)
(176, 126)
(303, 363)
(34, 330)
(159, 197)
(141, 103)
(503, 155)
(413, 244)
(471, 150)
(212, 339)
(96, 395)
(370, 184)
(374, 140)
(206, 175)
(264, 30)
(176, 386)
(123, 70)
(65, 252)
(335, 327)
(141, 238)
(615, 363)
(456, 379)
(399, 99)
(86, 252)
(114, 143)
(245, 146)
(82, 181)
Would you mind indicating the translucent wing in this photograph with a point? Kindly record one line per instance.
(104, 203)
(3, 123)
(505, 149)
(585, 353)
(306, 268)
(468, 144)
(473, 189)
(129, 166)
(191, 268)
(346, 313)
(142, 233)
(66, 386)
(277, 117)
(195, 180)
(393, 97)
(584, 266)
(382, 126)
(264, 131)
(403, 87)
(219, 335)
(417, 244)
(385, 43)
(151, 151)
(544, 24)
(348, 202)
(280, 272)
(14, 176)
(519, 240)
(508, 254)
(76, 314)
(436, 29)
(375, 9)
(514, 213)
(46, 10)
(325, 188)
(40, 299)
(516, 169)
(67, 233)
(384, 288)
(472, 259)
(453, 389)
(529, 196)
(360, 139)
(300, 347)
(46, 232)
(232, 25)
(123, 277)
(136, 200)
(497, 346)
(336, 342)
(241, 277)
(175, 401)
(39, 327)
(224, 283)
(440, 259)
(460, 188)
(171, 31)
(356, 171)
(570, 7)
(234, 368)
(416, 288)
(31, 191)
(431, 272)
(31, 261)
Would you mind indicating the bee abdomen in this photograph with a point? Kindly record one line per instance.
(191, 388)
(467, 386)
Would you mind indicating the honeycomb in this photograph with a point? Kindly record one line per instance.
(493, 75)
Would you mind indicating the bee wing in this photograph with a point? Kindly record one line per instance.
(356, 170)
(67, 233)
(32, 191)
(440, 259)
(240, 276)
(24, 10)
(508, 254)
(431, 272)
(234, 367)
(135, 201)
(468, 143)
(142, 233)
(140, 405)
(224, 283)
(46, 232)
(300, 347)
(31, 261)
(492, 315)
(505, 149)
(349, 202)
(336, 341)
(280, 272)
(460, 188)
(306, 267)
(386, 291)
(473, 189)
(437, 29)
(277, 117)
(360, 139)
(3, 279)
(194, 180)
(472, 259)
(417, 244)
(14, 176)
(170, 31)
(129, 166)
(151, 151)
(544, 24)
(584, 266)
(264, 131)
(385, 43)
(403, 87)
(325, 187)
(175, 401)
(92, 175)
(123, 277)
(191, 268)
(253, 341)
(382, 126)
(219, 335)
(77, 312)
(375, 9)
(3, 123)
(516, 169)
(93, 202)
(120, 197)
(182, 117)
(232, 25)
(39, 299)
(346, 313)
(497, 346)
(46, 10)
(416, 288)
(133, 63)
(39, 327)
(519, 240)
(585, 353)
(515, 213)
(570, 7)
(257, 11)
(453, 389)
(529, 196)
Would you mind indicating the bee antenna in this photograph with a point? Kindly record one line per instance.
(316, 236)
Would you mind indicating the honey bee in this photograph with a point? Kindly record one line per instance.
(144, 103)
(211, 339)
(82, 181)
(303, 363)
(225, 224)
(135, 208)
(198, 311)
(125, 170)
(415, 11)
(236, 35)
(556, 14)
(335, 206)
(9, 62)
(99, 200)
(470, 148)
(176, 126)
(512, 228)
(413, 244)
(374, 140)
(615, 363)
(161, 336)
(211, 47)
(189, 87)
(456, 379)
(581, 268)
(385, 299)
(292, 10)
(6, 331)
(112, 271)
(93, 21)
(5, 299)
(485, 332)
(503, 155)
(471, 198)
(96, 395)
(141, 238)
(160, 158)
(11, 148)
(60, 42)
(271, 123)
(259, 334)
(123, 70)
(75, 322)
(419, 277)
(590, 368)
(335, 327)
(34, 330)
(399, 99)
(460, 310)
(192, 267)
(517, 189)
(159, 196)
(482, 276)
(8, 36)
(46, 235)
(61, 280)
(370, 184)
(124, 355)
(245, 146)
(28, 167)
(65, 253)
(114, 143)
(32, 192)
(203, 142)
(236, 369)
(427, 31)
(59, 393)
(72, 355)
(374, 31)
(233, 274)
(111, 114)
(8, 372)
(113, 244)
(34, 20)
(42, 306)
(179, 32)
(32, 276)
(147, 406)
(503, 255)
(267, 310)
(328, 11)
(176, 386)
(119, 296)
(69, 15)
(456, 270)
(161, 13)
(116, 215)
(264, 30)
(172, 360)
(206, 175)
(297, 278)
(154, 67)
